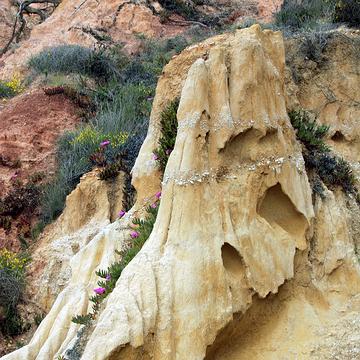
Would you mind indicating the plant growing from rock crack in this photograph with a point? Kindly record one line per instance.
(331, 169)
(141, 232)
(169, 126)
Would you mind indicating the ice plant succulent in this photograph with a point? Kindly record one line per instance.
(99, 290)
(134, 234)
(121, 213)
(155, 157)
(104, 143)
(158, 195)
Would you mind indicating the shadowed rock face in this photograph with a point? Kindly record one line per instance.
(234, 224)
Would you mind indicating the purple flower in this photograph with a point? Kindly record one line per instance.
(158, 194)
(168, 151)
(134, 234)
(121, 213)
(14, 176)
(108, 277)
(154, 205)
(104, 143)
(99, 290)
(155, 157)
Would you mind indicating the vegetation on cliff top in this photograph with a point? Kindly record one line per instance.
(329, 168)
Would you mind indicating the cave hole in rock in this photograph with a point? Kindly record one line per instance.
(277, 208)
(232, 260)
(338, 136)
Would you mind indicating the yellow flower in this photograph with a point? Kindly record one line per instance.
(15, 84)
(90, 135)
(11, 261)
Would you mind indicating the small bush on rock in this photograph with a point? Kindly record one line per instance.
(169, 126)
(141, 232)
(308, 132)
(12, 268)
(331, 169)
(348, 11)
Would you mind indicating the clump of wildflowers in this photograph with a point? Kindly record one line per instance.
(11, 88)
(90, 135)
(11, 262)
(113, 272)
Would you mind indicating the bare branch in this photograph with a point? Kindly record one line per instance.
(25, 7)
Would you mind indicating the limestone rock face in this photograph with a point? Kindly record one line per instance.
(236, 205)
(92, 206)
(328, 84)
(241, 263)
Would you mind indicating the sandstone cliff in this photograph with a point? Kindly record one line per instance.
(241, 263)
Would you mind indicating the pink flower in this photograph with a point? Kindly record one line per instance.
(14, 176)
(99, 290)
(158, 194)
(104, 143)
(168, 151)
(155, 157)
(121, 213)
(134, 234)
(108, 277)
(154, 205)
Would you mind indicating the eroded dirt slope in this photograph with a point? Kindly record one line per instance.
(30, 125)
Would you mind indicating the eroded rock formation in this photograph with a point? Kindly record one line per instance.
(241, 262)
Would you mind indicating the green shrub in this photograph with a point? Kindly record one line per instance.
(109, 171)
(308, 132)
(169, 126)
(73, 59)
(12, 268)
(348, 11)
(123, 106)
(20, 199)
(313, 46)
(10, 88)
(304, 14)
(331, 169)
(111, 275)
(6, 91)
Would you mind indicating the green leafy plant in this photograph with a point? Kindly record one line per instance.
(73, 59)
(305, 13)
(348, 11)
(141, 232)
(169, 126)
(109, 171)
(10, 88)
(308, 131)
(331, 169)
(12, 269)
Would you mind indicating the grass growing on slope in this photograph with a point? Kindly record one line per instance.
(122, 102)
(331, 169)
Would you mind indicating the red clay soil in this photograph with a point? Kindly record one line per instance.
(30, 125)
